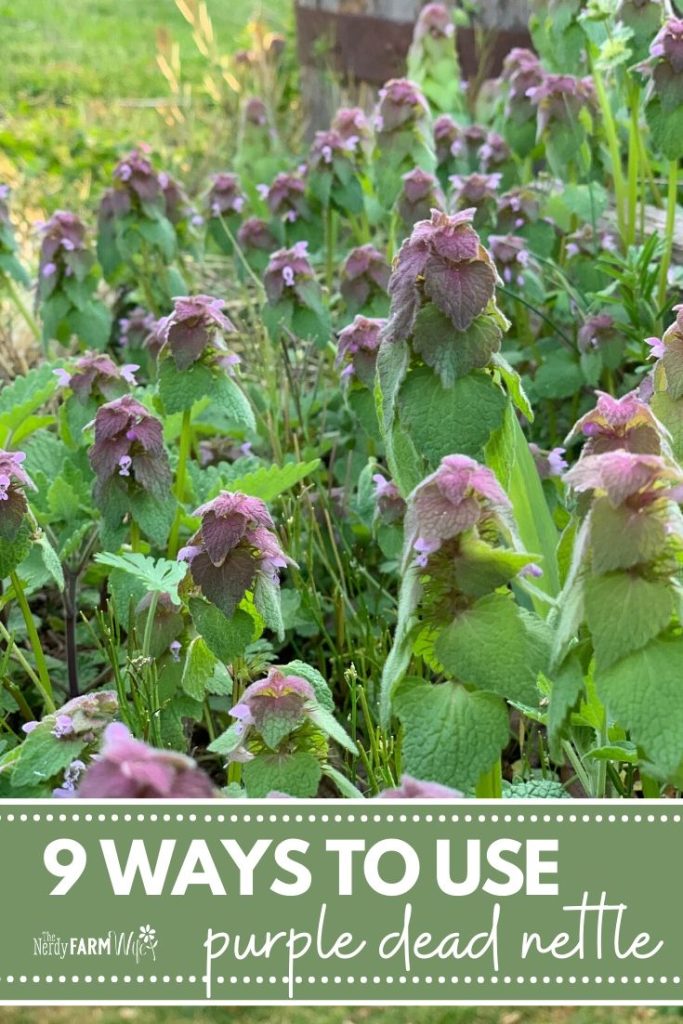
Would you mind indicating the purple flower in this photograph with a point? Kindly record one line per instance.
(13, 504)
(351, 123)
(274, 707)
(415, 789)
(175, 647)
(225, 195)
(129, 769)
(125, 428)
(474, 190)
(233, 549)
(560, 99)
(626, 478)
(421, 193)
(523, 72)
(135, 327)
(70, 781)
(460, 495)
(365, 273)
(285, 197)
(330, 144)
(98, 376)
(617, 423)
(434, 20)
(28, 727)
(286, 268)
(495, 151)
(197, 322)
(390, 505)
(548, 463)
(657, 347)
(447, 134)
(596, 331)
(517, 208)
(135, 176)
(444, 261)
(357, 347)
(511, 256)
(63, 250)
(63, 726)
(665, 63)
(255, 111)
(401, 103)
(254, 233)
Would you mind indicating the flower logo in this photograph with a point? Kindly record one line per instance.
(147, 935)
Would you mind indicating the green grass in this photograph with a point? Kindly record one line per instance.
(332, 1015)
(70, 51)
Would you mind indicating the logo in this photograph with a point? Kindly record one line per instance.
(137, 945)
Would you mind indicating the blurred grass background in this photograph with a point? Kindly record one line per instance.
(333, 1015)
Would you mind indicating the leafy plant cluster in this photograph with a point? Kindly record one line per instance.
(364, 479)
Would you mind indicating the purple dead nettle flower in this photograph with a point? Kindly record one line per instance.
(474, 190)
(135, 327)
(274, 707)
(98, 376)
(620, 423)
(254, 233)
(135, 176)
(626, 478)
(128, 769)
(70, 780)
(461, 494)
(196, 323)
(447, 134)
(597, 331)
(287, 267)
(365, 272)
(560, 99)
(357, 347)
(129, 449)
(255, 111)
(421, 193)
(285, 197)
(177, 205)
(401, 103)
(584, 242)
(351, 123)
(390, 505)
(13, 504)
(549, 463)
(233, 549)
(225, 196)
(471, 140)
(443, 260)
(328, 145)
(668, 350)
(494, 152)
(517, 208)
(63, 252)
(523, 72)
(511, 256)
(417, 789)
(434, 20)
(83, 717)
(665, 64)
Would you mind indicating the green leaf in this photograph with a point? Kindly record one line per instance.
(323, 694)
(157, 576)
(450, 353)
(24, 396)
(624, 612)
(567, 687)
(495, 645)
(621, 537)
(228, 741)
(198, 669)
(513, 383)
(345, 786)
(643, 693)
(326, 721)
(269, 482)
(558, 377)
(43, 756)
(451, 736)
(297, 775)
(227, 638)
(51, 560)
(535, 789)
(13, 552)
(441, 421)
(92, 324)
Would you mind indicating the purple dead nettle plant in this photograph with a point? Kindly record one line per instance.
(494, 153)
(512, 257)
(13, 505)
(357, 347)
(235, 550)
(477, 192)
(295, 305)
(128, 453)
(352, 124)
(96, 376)
(225, 204)
(522, 72)
(420, 194)
(565, 106)
(390, 507)
(667, 379)
(585, 241)
(365, 280)
(256, 241)
(274, 708)
(403, 136)
(517, 209)
(620, 423)
(285, 198)
(549, 464)
(286, 271)
(134, 328)
(194, 331)
(63, 251)
(127, 769)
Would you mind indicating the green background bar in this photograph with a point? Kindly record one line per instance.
(95, 946)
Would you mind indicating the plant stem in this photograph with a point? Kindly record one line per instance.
(330, 246)
(490, 784)
(149, 624)
(134, 536)
(181, 472)
(671, 197)
(633, 161)
(34, 639)
(613, 147)
(21, 306)
(70, 612)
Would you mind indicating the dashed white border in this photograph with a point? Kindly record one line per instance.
(206, 812)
